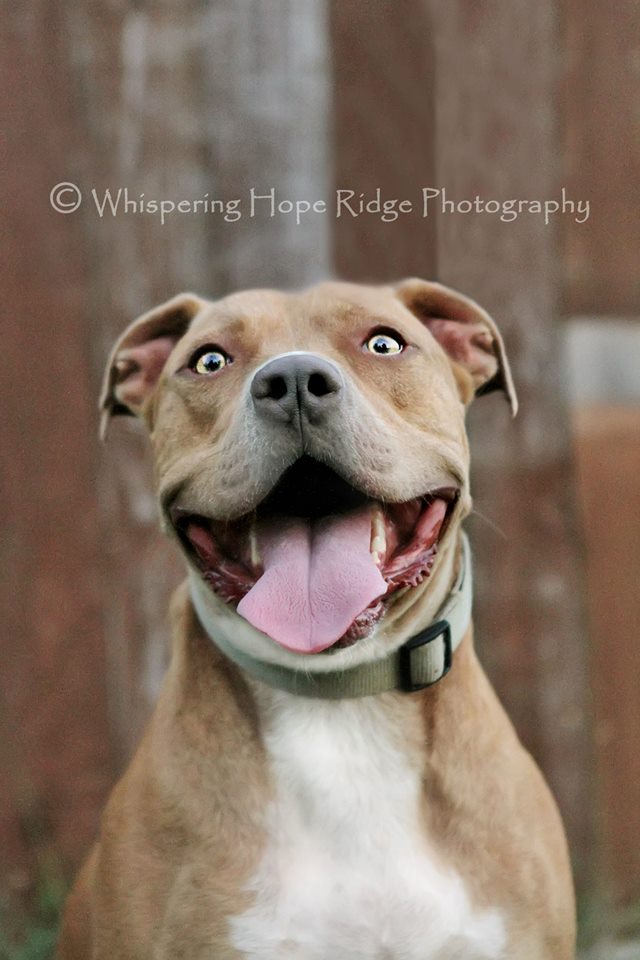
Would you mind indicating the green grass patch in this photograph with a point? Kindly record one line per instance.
(29, 924)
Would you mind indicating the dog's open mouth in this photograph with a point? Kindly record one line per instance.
(315, 564)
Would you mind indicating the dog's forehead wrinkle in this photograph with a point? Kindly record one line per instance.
(351, 305)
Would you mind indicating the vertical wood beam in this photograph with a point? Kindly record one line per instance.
(477, 90)
(497, 137)
(55, 758)
(383, 119)
(208, 100)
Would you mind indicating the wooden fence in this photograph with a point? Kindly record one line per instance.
(306, 98)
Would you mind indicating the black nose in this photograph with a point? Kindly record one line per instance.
(297, 385)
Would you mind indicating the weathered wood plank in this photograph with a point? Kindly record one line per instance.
(384, 137)
(600, 89)
(497, 137)
(55, 751)
(211, 104)
(488, 128)
(607, 449)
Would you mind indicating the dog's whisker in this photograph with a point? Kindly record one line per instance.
(490, 523)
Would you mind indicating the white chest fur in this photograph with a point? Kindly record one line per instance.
(348, 873)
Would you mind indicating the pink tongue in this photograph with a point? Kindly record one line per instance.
(317, 578)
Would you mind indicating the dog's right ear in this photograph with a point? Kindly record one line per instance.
(139, 356)
(465, 332)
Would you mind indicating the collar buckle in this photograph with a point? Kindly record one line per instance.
(420, 664)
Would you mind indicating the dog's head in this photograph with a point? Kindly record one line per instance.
(310, 448)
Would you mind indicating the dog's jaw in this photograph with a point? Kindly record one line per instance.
(407, 611)
(316, 567)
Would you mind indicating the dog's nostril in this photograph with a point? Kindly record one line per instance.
(277, 388)
(296, 385)
(319, 386)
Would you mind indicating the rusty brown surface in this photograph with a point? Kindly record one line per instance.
(498, 138)
(179, 105)
(383, 133)
(601, 156)
(54, 736)
(607, 447)
(490, 132)
(173, 104)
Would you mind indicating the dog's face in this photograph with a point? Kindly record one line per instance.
(310, 448)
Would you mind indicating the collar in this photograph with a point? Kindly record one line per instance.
(420, 662)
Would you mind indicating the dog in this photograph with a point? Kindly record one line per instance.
(328, 774)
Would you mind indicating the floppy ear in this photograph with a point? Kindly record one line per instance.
(466, 333)
(139, 356)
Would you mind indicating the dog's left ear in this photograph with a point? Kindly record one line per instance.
(139, 356)
(466, 333)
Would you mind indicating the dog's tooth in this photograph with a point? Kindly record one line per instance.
(253, 545)
(377, 549)
(378, 546)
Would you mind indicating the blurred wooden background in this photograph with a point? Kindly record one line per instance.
(509, 100)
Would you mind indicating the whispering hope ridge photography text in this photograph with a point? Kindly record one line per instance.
(431, 201)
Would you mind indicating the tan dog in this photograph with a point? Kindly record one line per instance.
(309, 786)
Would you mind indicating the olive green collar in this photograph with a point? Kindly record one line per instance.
(420, 662)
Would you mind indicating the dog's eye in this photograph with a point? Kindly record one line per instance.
(385, 344)
(208, 360)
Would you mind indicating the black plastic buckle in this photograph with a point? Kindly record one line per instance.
(440, 629)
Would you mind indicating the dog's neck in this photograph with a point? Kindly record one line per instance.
(426, 625)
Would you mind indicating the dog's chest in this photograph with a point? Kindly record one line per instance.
(347, 872)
